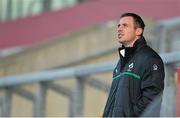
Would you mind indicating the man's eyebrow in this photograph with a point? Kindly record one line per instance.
(122, 24)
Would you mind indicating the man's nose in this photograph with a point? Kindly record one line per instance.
(119, 28)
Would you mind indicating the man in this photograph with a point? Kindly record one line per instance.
(138, 77)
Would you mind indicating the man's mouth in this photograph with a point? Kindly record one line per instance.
(120, 35)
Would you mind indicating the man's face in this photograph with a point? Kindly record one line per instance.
(126, 31)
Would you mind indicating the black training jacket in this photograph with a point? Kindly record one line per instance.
(138, 82)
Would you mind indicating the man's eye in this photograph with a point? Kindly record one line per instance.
(124, 25)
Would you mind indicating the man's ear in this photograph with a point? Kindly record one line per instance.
(139, 31)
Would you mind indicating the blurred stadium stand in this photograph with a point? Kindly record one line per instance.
(53, 24)
(54, 43)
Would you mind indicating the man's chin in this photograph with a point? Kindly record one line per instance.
(120, 41)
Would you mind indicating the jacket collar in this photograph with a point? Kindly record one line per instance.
(127, 51)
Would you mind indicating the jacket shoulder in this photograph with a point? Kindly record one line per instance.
(151, 59)
(149, 54)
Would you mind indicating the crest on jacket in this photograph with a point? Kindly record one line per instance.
(130, 67)
(155, 67)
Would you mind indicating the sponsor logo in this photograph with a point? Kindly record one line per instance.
(116, 70)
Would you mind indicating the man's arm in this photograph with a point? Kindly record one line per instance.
(152, 85)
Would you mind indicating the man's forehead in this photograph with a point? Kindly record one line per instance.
(126, 19)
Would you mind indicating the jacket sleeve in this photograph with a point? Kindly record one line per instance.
(152, 86)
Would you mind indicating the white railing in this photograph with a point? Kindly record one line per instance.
(10, 84)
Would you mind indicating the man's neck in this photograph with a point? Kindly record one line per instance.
(131, 44)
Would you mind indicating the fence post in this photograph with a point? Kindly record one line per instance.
(77, 99)
(7, 99)
(169, 93)
(40, 101)
(178, 95)
(162, 41)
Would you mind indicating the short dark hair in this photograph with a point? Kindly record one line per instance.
(137, 19)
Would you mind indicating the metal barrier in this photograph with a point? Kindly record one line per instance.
(166, 28)
(44, 79)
